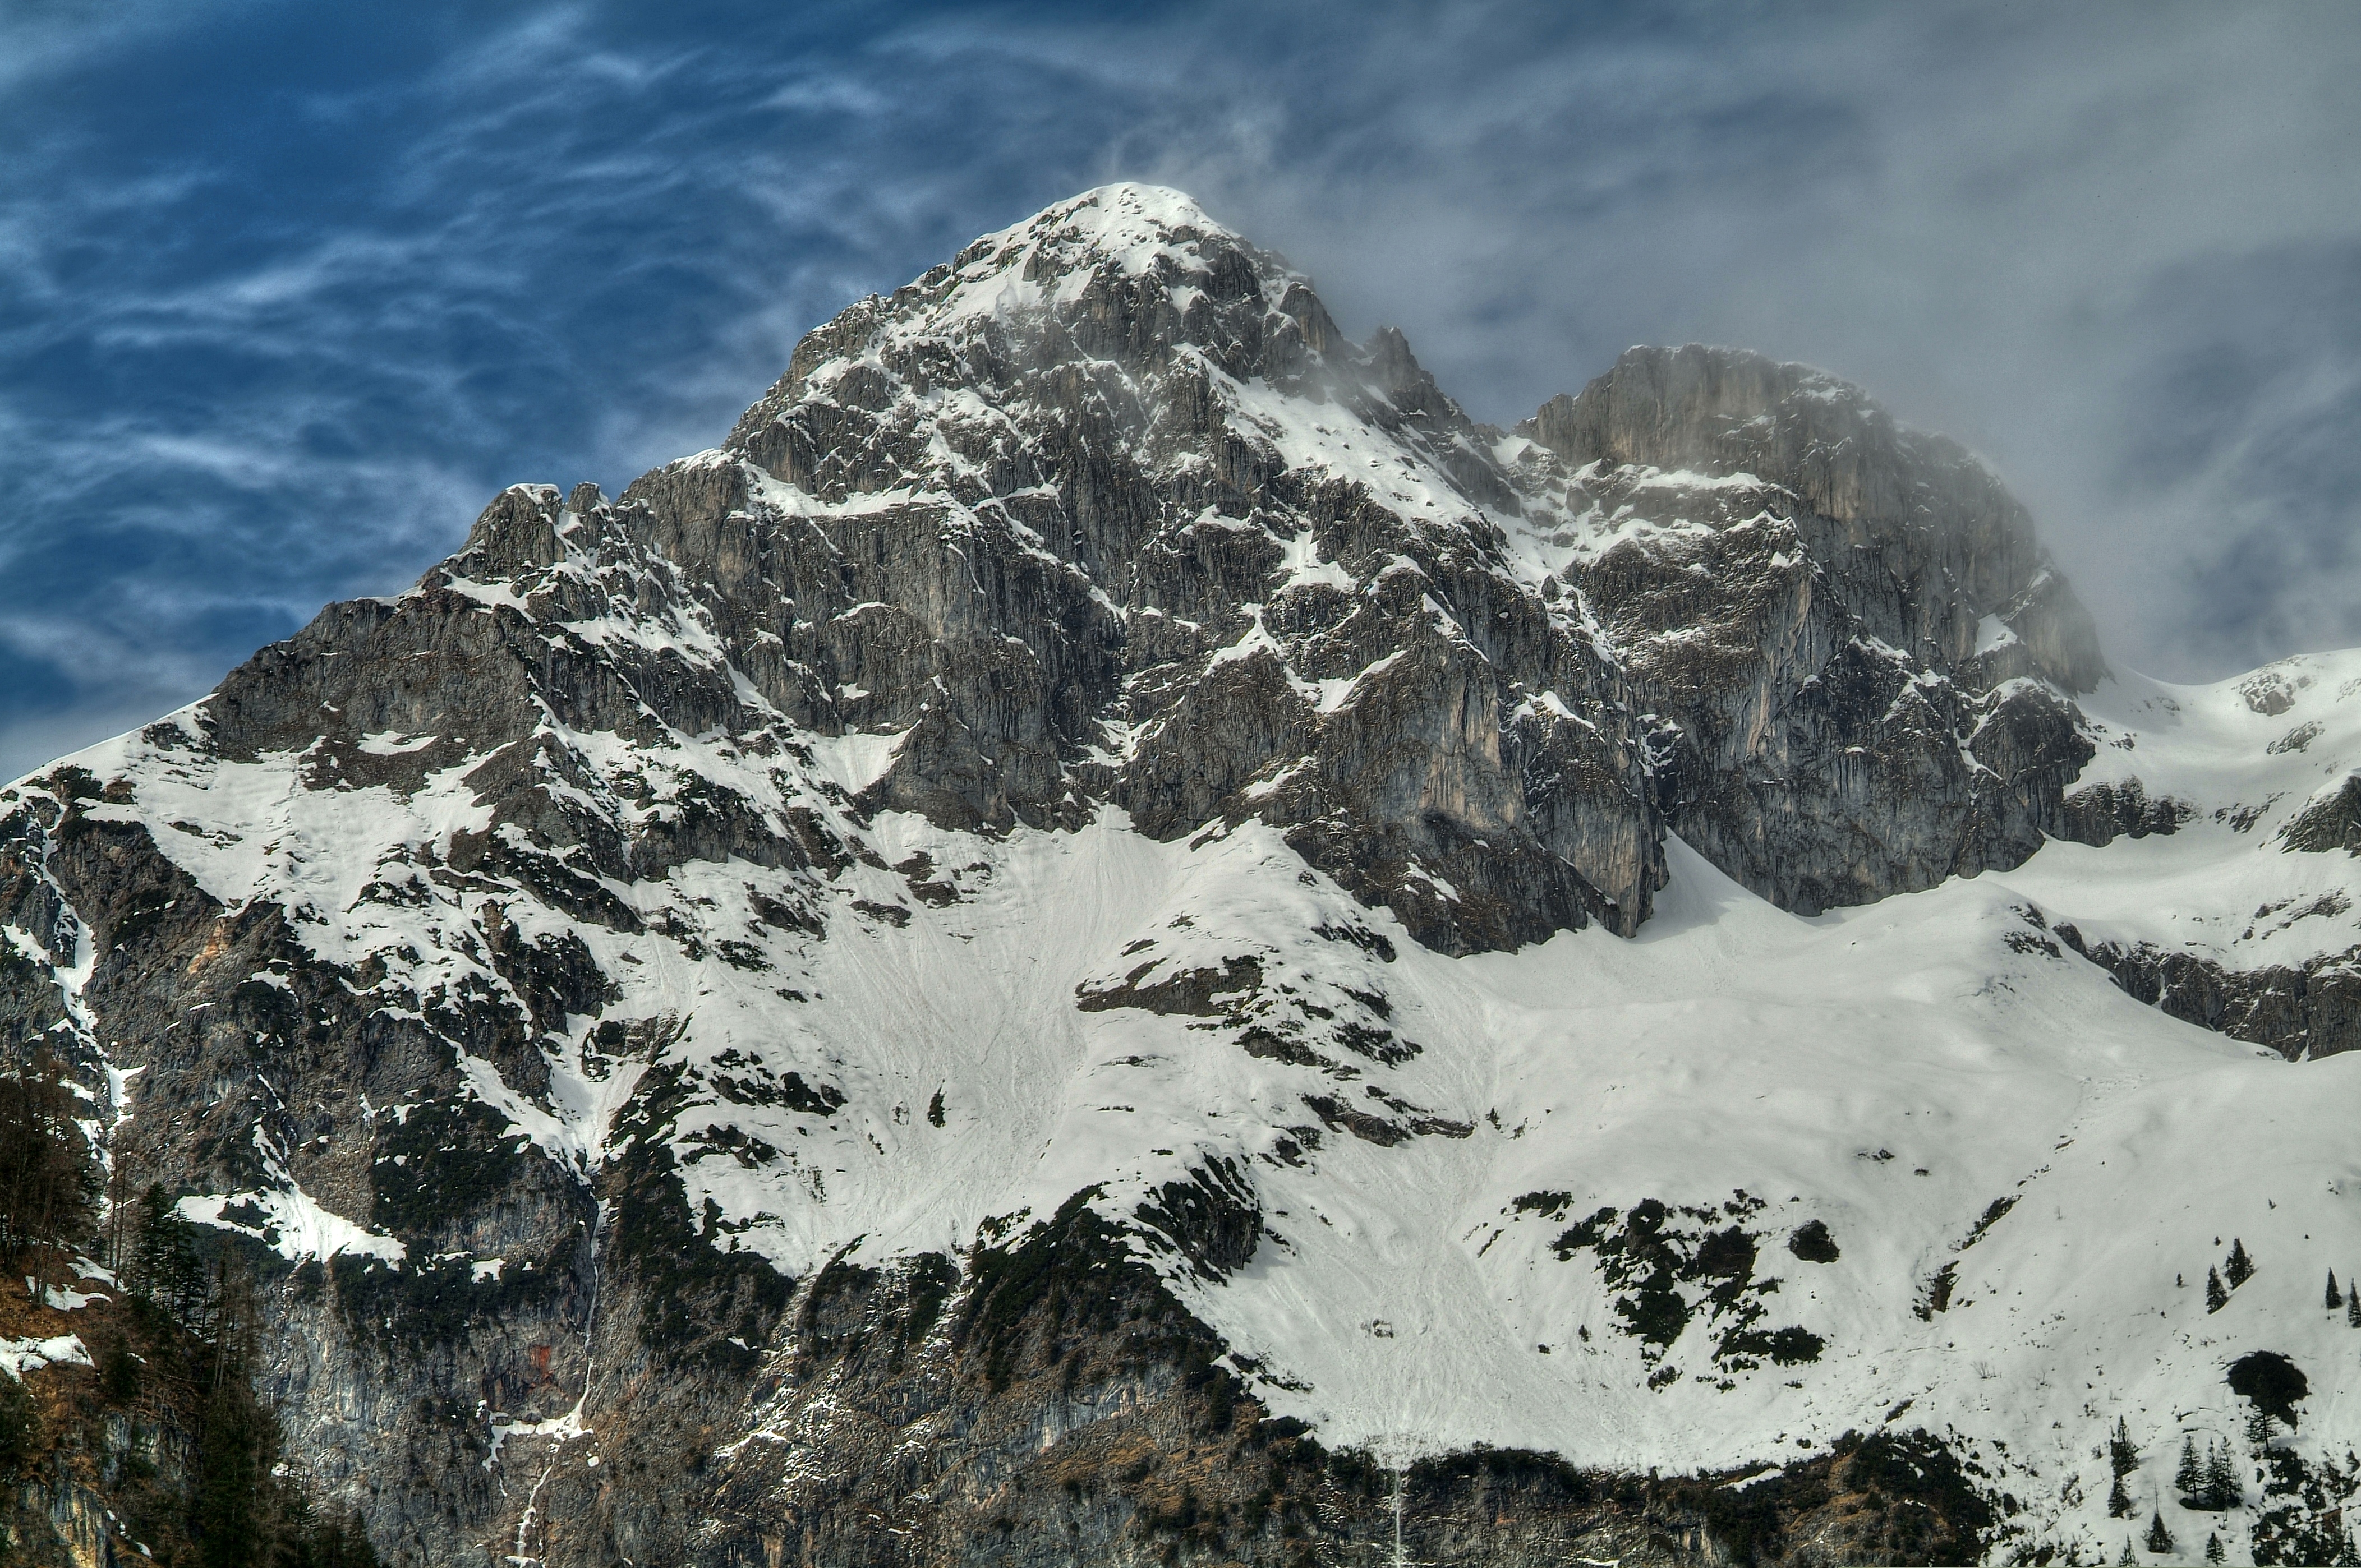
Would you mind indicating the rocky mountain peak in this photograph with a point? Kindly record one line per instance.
(902, 984)
(1921, 503)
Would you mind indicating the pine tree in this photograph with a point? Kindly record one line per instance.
(232, 1461)
(118, 1373)
(2160, 1540)
(2353, 1305)
(2215, 1297)
(2213, 1553)
(165, 1268)
(348, 1546)
(21, 1425)
(2258, 1429)
(240, 1442)
(2222, 1490)
(48, 1186)
(2121, 1453)
(2240, 1267)
(345, 1545)
(2191, 1477)
(2129, 1555)
(2119, 1502)
(2335, 1297)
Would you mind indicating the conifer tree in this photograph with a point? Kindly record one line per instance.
(165, 1266)
(2190, 1479)
(2258, 1429)
(2353, 1305)
(2213, 1553)
(240, 1442)
(2215, 1297)
(2221, 1488)
(2160, 1540)
(2119, 1502)
(2129, 1556)
(2335, 1297)
(48, 1186)
(2240, 1267)
(2121, 1453)
(233, 1459)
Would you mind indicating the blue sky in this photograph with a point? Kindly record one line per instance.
(288, 290)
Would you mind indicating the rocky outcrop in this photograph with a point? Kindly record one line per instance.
(1025, 515)
(2300, 1011)
(1857, 659)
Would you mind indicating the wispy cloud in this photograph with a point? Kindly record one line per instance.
(286, 292)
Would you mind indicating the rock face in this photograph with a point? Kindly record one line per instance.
(1050, 515)
(853, 1003)
(1857, 659)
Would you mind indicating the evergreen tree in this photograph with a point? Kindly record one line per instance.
(233, 1459)
(2213, 1553)
(2160, 1540)
(2215, 1297)
(299, 1531)
(2353, 1305)
(21, 1425)
(118, 1373)
(345, 1545)
(2222, 1490)
(2240, 1267)
(2122, 1455)
(2129, 1556)
(48, 1188)
(2258, 1429)
(239, 1444)
(2191, 1477)
(2119, 1502)
(2335, 1297)
(165, 1266)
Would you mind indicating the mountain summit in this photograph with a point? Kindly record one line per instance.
(1113, 921)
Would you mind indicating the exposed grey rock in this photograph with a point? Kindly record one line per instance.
(1859, 657)
(2331, 821)
(2305, 1011)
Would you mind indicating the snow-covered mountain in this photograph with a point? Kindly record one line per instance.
(1112, 921)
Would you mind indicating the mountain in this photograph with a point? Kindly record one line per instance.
(1114, 935)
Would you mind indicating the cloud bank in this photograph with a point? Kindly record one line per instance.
(287, 293)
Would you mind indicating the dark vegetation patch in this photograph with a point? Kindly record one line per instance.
(699, 1300)
(424, 1305)
(442, 1162)
(1214, 1219)
(1674, 1263)
(1812, 1243)
(1190, 993)
(759, 1086)
(2272, 1381)
(1360, 937)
